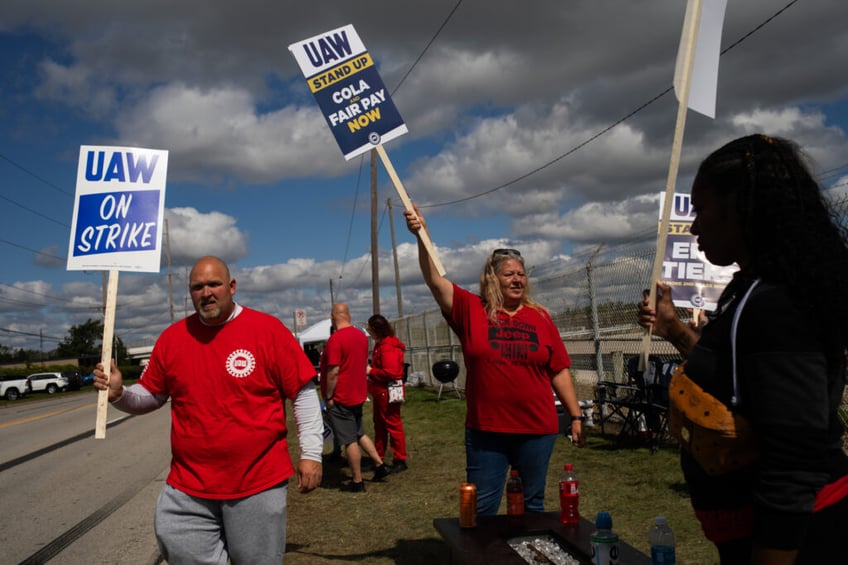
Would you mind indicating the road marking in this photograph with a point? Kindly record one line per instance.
(48, 415)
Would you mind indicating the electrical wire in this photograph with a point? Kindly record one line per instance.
(604, 130)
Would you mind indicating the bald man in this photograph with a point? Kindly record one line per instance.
(227, 370)
(344, 386)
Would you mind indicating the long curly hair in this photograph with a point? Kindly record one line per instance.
(490, 288)
(794, 237)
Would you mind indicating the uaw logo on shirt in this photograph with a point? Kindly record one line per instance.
(241, 363)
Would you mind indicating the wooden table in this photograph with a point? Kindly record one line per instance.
(487, 543)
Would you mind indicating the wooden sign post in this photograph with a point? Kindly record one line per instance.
(106, 352)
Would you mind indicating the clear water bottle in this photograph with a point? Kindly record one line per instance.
(569, 496)
(662, 542)
(604, 541)
(514, 495)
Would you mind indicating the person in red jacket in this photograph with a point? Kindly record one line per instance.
(386, 367)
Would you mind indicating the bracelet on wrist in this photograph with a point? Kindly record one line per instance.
(577, 419)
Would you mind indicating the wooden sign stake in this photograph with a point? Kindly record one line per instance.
(407, 203)
(106, 352)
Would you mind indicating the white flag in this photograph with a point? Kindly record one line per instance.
(703, 81)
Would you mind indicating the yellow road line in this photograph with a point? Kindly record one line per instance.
(47, 415)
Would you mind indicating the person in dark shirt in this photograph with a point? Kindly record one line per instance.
(758, 206)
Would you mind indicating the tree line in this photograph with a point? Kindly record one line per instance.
(83, 342)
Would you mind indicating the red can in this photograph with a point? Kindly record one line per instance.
(467, 505)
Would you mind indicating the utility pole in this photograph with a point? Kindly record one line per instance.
(375, 264)
(394, 255)
(332, 298)
(168, 257)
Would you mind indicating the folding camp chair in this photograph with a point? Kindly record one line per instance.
(640, 402)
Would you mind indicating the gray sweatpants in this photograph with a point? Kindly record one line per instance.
(247, 531)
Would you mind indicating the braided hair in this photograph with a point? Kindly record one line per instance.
(794, 237)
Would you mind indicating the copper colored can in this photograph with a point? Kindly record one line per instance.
(467, 505)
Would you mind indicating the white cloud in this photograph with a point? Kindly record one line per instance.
(194, 234)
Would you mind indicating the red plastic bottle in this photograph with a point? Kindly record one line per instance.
(514, 495)
(569, 496)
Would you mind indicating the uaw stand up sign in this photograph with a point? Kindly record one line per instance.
(696, 283)
(341, 75)
(117, 225)
(356, 105)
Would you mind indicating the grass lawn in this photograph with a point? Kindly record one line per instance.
(393, 521)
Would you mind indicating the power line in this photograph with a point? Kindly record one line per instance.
(36, 212)
(604, 130)
(36, 176)
(427, 47)
(362, 158)
(32, 334)
(7, 242)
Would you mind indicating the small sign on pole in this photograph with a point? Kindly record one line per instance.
(300, 318)
(119, 207)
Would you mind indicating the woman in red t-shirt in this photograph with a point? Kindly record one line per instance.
(514, 357)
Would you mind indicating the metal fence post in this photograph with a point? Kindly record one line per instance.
(596, 330)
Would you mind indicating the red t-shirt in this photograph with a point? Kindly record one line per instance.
(509, 366)
(228, 385)
(347, 348)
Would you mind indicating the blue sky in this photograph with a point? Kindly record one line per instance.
(491, 92)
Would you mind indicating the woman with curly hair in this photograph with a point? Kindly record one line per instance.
(514, 357)
(758, 206)
(386, 367)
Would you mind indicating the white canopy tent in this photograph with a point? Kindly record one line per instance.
(316, 332)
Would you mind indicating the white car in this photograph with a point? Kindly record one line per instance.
(48, 382)
(12, 387)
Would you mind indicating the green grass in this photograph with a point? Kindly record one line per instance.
(393, 521)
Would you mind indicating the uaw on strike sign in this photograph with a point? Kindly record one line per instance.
(119, 209)
(342, 77)
(696, 283)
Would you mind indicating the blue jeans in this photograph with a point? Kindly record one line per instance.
(488, 456)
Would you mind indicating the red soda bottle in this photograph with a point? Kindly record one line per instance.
(569, 496)
(514, 495)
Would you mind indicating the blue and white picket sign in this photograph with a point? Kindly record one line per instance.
(118, 209)
(696, 283)
(341, 75)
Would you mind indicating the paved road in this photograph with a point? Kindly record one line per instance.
(70, 499)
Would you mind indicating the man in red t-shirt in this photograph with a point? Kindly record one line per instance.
(227, 371)
(344, 386)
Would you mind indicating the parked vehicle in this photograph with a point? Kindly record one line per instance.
(50, 383)
(12, 387)
(74, 379)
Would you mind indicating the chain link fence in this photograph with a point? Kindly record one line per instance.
(592, 302)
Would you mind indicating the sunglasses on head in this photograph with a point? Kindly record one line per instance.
(506, 251)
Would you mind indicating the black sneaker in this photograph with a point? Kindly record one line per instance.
(399, 466)
(353, 487)
(381, 472)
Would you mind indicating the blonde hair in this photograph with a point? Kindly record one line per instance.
(490, 288)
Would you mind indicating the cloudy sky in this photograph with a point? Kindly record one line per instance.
(517, 136)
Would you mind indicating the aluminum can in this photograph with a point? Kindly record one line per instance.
(467, 505)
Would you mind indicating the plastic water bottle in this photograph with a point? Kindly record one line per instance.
(604, 541)
(514, 495)
(569, 496)
(662, 542)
